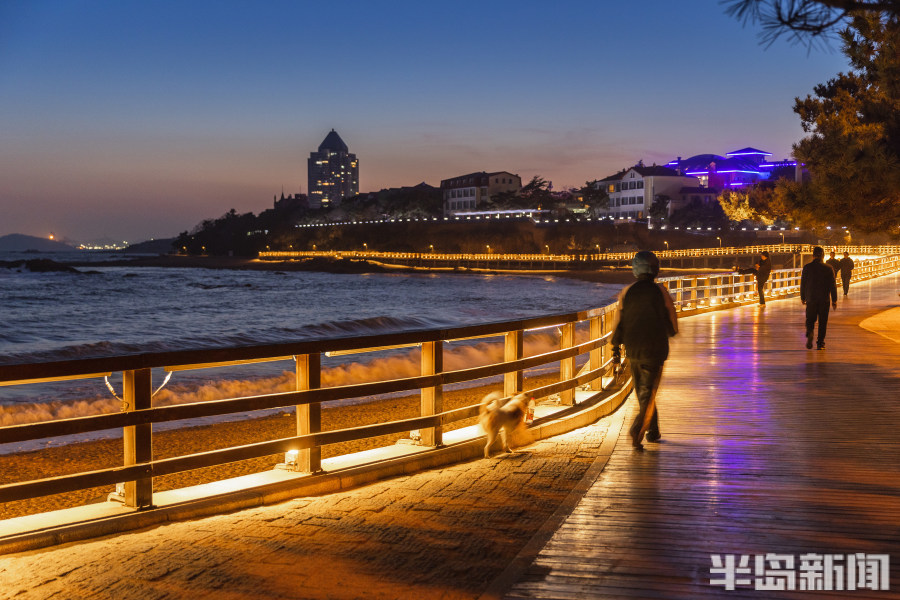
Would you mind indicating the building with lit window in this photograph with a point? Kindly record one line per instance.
(464, 193)
(632, 191)
(332, 173)
(747, 166)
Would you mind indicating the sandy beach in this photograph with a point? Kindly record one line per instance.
(74, 458)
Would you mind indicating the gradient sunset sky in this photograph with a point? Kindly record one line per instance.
(131, 120)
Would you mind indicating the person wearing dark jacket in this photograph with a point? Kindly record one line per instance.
(834, 263)
(761, 270)
(646, 322)
(846, 271)
(817, 287)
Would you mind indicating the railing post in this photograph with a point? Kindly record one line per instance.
(432, 397)
(136, 393)
(309, 416)
(567, 365)
(513, 349)
(597, 356)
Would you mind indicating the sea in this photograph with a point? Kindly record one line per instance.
(112, 310)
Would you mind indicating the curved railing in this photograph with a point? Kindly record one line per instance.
(139, 416)
(705, 292)
(500, 257)
(581, 334)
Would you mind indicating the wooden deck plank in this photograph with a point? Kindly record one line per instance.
(767, 448)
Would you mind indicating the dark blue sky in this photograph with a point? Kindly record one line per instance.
(139, 119)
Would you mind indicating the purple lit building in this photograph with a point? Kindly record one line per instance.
(740, 168)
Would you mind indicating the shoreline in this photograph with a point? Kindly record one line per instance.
(612, 275)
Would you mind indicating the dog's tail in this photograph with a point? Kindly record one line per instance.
(490, 403)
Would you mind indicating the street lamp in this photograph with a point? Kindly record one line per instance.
(488, 248)
(782, 237)
(548, 248)
(365, 247)
(667, 245)
(720, 241)
(431, 247)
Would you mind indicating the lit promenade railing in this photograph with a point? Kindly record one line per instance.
(139, 416)
(560, 259)
(581, 333)
(704, 292)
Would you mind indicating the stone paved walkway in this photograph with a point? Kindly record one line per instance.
(446, 533)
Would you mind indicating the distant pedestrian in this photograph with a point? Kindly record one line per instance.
(646, 322)
(817, 286)
(834, 263)
(846, 271)
(762, 269)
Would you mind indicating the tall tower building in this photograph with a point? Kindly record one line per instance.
(333, 173)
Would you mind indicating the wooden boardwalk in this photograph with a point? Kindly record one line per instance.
(767, 448)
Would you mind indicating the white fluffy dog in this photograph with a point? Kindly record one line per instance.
(505, 418)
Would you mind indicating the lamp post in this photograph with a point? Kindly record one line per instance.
(548, 248)
(720, 241)
(431, 247)
(667, 245)
(488, 246)
(365, 247)
(782, 237)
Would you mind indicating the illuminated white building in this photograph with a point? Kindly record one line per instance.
(333, 173)
(632, 191)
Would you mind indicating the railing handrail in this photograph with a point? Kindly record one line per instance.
(36, 371)
(692, 294)
(579, 256)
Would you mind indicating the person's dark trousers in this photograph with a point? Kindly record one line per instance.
(817, 311)
(845, 281)
(761, 288)
(646, 380)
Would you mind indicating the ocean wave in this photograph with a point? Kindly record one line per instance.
(104, 349)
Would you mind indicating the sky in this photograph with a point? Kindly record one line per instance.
(132, 120)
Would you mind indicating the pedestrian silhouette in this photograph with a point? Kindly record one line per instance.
(646, 322)
(762, 269)
(846, 271)
(817, 287)
(834, 263)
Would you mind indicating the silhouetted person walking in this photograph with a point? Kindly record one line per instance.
(646, 322)
(834, 263)
(817, 287)
(846, 271)
(761, 270)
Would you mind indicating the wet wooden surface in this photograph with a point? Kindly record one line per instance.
(767, 448)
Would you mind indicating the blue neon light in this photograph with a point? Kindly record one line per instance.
(728, 171)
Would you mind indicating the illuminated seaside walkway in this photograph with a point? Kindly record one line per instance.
(767, 448)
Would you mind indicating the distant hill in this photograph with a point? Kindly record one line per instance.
(17, 242)
(151, 247)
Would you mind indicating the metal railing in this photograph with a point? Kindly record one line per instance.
(138, 416)
(691, 295)
(704, 292)
(500, 257)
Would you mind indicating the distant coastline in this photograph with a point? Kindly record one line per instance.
(326, 265)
